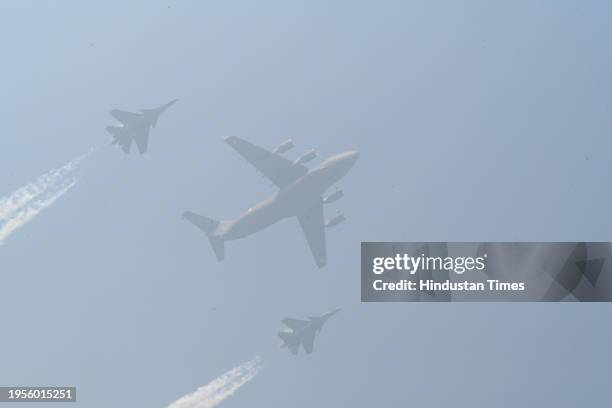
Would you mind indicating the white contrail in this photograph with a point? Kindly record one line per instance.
(32, 190)
(25, 203)
(215, 392)
(31, 210)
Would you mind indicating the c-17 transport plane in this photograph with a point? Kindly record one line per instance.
(302, 332)
(300, 195)
(135, 126)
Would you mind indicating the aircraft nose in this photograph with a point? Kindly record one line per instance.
(330, 314)
(352, 156)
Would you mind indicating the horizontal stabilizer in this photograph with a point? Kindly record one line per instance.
(114, 130)
(285, 336)
(120, 138)
(289, 341)
(206, 224)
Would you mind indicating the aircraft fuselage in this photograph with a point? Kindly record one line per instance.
(132, 128)
(291, 201)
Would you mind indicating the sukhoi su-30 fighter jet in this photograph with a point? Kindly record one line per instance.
(135, 126)
(302, 332)
(300, 195)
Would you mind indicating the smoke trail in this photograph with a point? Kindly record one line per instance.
(27, 202)
(32, 190)
(26, 214)
(222, 387)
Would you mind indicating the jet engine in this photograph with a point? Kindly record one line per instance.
(306, 157)
(284, 147)
(333, 197)
(335, 221)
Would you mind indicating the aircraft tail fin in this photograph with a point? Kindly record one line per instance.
(208, 225)
(218, 247)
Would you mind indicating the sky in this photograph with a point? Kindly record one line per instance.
(476, 121)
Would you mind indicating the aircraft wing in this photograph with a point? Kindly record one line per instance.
(141, 137)
(295, 324)
(308, 341)
(274, 167)
(127, 118)
(313, 226)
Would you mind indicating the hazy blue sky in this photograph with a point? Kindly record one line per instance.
(476, 120)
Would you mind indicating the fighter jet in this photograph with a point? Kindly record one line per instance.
(135, 126)
(302, 332)
(300, 195)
